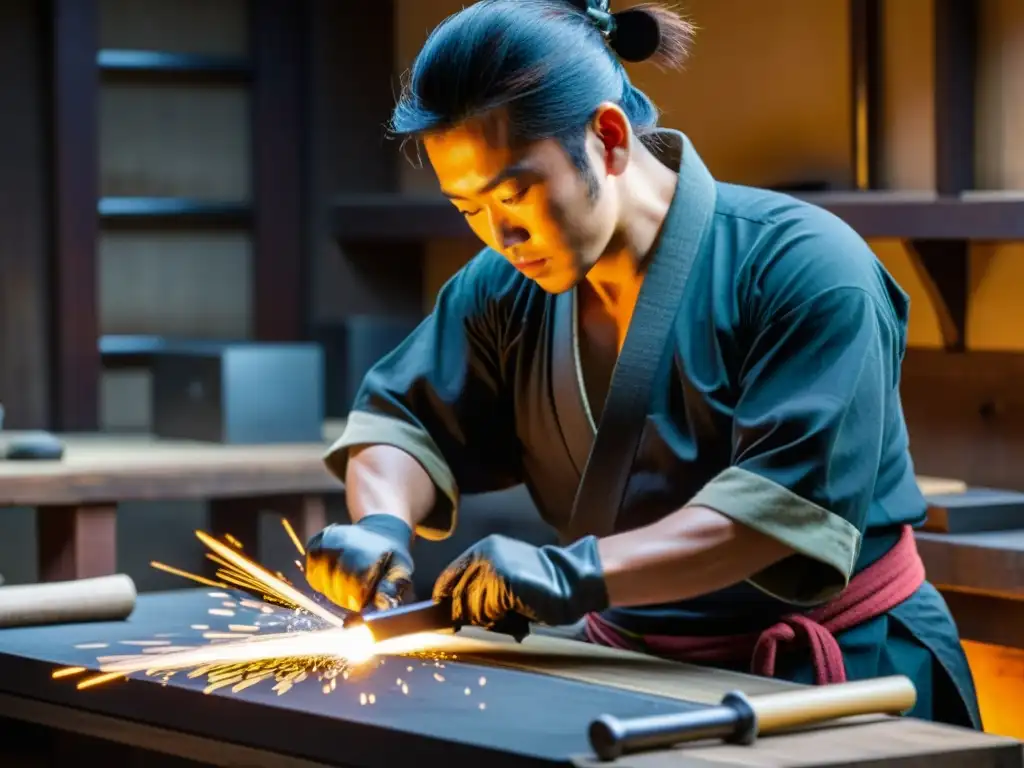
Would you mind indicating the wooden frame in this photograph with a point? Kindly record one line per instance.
(275, 75)
(76, 366)
(25, 217)
(279, 186)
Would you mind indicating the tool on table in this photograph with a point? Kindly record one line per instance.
(739, 719)
(104, 598)
(428, 616)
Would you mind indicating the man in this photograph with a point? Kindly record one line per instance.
(772, 489)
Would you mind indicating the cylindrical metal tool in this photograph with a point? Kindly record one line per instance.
(411, 619)
(740, 720)
(105, 598)
(430, 616)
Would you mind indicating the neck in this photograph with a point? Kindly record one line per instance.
(645, 193)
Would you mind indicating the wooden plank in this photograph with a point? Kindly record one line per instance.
(965, 415)
(990, 563)
(867, 83)
(935, 486)
(399, 218)
(544, 654)
(956, 43)
(24, 219)
(975, 510)
(279, 184)
(75, 184)
(99, 469)
(987, 619)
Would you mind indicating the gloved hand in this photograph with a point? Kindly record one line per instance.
(361, 566)
(499, 576)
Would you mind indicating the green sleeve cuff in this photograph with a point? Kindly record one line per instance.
(363, 429)
(826, 545)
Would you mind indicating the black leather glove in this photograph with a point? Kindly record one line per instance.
(361, 566)
(499, 576)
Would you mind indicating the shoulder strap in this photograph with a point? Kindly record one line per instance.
(683, 236)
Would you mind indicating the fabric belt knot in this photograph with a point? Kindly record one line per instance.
(793, 632)
(876, 590)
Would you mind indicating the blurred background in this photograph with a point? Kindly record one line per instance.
(215, 172)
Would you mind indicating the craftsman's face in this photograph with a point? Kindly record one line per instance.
(531, 204)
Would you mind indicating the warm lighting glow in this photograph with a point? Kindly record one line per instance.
(274, 584)
(999, 678)
(310, 639)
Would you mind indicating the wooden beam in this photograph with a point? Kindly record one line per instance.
(76, 369)
(384, 217)
(24, 218)
(956, 34)
(279, 186)
(866, 51)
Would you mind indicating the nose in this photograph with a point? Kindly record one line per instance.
(513, 236)
(507, 233)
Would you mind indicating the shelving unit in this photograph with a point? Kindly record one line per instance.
(273, 215)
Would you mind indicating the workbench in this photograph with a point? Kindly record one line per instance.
(497, 704)
(76, 498)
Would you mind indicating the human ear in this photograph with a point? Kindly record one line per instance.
(612, 129)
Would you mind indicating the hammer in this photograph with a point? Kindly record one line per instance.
(739, 720)
(104, 598)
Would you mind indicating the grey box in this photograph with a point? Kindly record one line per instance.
(239, 393)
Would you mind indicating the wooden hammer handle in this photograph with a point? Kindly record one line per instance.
(105, 598)
(882, 695)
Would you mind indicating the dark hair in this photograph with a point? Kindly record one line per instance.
(547, 63)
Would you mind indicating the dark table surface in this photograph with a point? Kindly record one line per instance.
(444, 713)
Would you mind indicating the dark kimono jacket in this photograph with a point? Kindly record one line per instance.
(777, 404)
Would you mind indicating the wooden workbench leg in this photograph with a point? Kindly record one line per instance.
(76, 542)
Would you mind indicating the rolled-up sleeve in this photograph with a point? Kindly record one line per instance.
(440, 396)
(365, 428)
(809, 431)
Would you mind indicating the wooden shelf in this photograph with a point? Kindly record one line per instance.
(904, 215)
(149, 64)
(118, 351)
(172, 212)
(396, 218)
(924, 216)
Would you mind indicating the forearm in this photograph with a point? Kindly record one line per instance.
(382, 479)
(692, 552)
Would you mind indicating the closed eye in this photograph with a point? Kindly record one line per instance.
(517, 197)
(468, 214)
